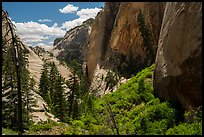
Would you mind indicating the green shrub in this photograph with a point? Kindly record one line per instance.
(186, 129)
(155, 118)
(189, 127)
(74, 128)
(135, 110)
(42, 126)
(7, 131)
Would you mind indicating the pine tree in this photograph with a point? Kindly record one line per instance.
(72, 98)
(44, 85)
(14, 95)
(148, 43)
(60, 102)
(52, 78)
(52, 90)
(28, 100)
(15, 78)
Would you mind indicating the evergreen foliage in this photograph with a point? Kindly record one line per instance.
(148, 43)
(131, 110)
(16, 94)
(51, 88)
(44, 84)
(60, 103)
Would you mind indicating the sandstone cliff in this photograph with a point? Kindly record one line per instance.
(100, 35)
(123, 39)
(178, 70)
(74, 44)
(126, 30)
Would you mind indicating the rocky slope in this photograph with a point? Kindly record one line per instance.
(46, 56)
(178, 70)
(34, 65)
(36, 57)
(74, 44)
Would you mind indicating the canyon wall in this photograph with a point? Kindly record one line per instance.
(178, 66)
(119, 32)
(100, 35)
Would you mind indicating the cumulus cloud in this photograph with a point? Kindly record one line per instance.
(71, 24)
(44, 20)
(31, 31)
(42, 45)
(83, 14)
(32, 38)
(35, 32)
(88, 13)
(69, 9)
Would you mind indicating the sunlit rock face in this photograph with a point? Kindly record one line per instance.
(100, 35)
(178, 70)
(118, 32)
(74, 44)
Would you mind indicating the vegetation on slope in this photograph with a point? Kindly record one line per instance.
(133, 110)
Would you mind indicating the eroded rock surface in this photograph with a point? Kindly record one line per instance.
(178, 69)
(74, 44)
(119, 30)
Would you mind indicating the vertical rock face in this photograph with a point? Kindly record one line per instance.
(178, 70)
(118, 32)
(154, 12)
(125, 37)
(100, 35)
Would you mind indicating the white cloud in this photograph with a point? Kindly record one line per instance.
(88, 13)
(35, 32)
(42, 45)
(44, 20)
(83, 14)
(71, 24)
(32, 38)
(69, 9)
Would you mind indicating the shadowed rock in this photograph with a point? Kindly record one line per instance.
(178, 69)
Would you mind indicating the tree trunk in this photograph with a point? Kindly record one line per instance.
(17, 67)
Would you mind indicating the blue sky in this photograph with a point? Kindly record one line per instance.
(39, 23)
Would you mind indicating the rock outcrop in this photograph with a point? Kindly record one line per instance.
(74, 44)
(101, 86)
(100, 35)
(35, 65)
(154, 12)
(56, 41)
(126, 30)
(178, 66)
